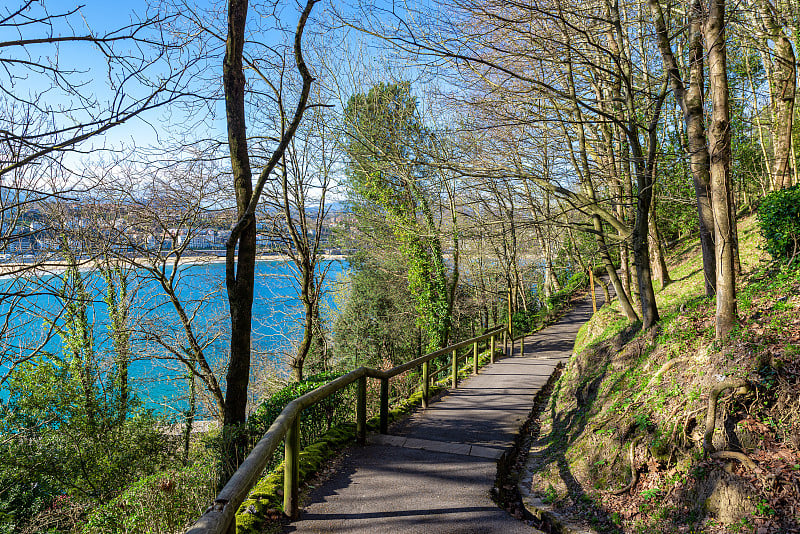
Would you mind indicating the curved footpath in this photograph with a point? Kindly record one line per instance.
(434, 472)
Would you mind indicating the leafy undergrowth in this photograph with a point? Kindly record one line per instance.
(645, 394)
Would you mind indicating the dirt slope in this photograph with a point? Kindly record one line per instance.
(644, 396)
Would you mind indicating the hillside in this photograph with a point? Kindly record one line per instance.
(642, 397)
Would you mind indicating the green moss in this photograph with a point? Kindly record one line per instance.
(267, 495)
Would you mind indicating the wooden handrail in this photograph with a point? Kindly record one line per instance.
(220, 517)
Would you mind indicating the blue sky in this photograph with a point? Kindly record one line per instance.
(88, 66)
(92, 67)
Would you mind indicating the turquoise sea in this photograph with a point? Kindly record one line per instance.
(160, 381)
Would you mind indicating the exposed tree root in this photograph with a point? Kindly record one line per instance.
(634, 470)
(732, 455)
(711, 413)
(689, 416)
(673, 416)
(669, 364)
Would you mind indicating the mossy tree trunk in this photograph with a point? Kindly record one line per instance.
(719, 136)
(240, 249)
(690, 100)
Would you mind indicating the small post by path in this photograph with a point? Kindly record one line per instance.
(361, 411)
(594, 299)
(510, 337)
(291, 474)
(475, 358)
(384, 409)
(454, 370)
(426, 383)
(491, 353)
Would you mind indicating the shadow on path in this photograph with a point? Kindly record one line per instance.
(384, 488)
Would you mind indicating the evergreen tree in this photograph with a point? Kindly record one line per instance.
(390, 174)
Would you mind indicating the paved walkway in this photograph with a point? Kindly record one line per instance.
(434, 473)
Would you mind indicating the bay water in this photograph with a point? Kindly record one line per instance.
(159, 380)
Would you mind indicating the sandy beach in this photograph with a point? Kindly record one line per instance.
(44, 267)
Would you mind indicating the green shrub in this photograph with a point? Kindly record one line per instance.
(21, 497)
(168, 501)
(575, 282)
(315, 420)
(524, 321)
(779, 222)
(60, 451)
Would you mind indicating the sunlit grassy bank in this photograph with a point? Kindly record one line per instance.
(642, 396)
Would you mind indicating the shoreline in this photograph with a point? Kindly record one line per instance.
(45, 268)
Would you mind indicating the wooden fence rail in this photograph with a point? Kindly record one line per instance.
(220, 516)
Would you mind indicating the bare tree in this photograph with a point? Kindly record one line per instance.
(690, 100)
(295, 209)
(241, 246)
(65, 85)
(517, 56)
(719, 143)
(149, 219)
(770, 19)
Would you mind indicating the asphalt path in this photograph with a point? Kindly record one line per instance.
(434, 472)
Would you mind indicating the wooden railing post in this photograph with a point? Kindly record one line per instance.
(522, 346)
(511, 353)
(426, 383)
(291, 470)
(384, 405)
(510, 311)
(491, 350)
(475, 358)
(454, 371)
(505, 344)
(361, 411)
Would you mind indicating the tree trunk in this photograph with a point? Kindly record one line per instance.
(240, 249)
(720, 152)
(627, 247)
(644, 168)
(588, 187)
(604, 286)
(636, 289)
(690, 100)
(624, 301)
(190, 414)
(699, 158)
(484, 302)
(782, 83)
(662, 274)
(624, 265)
(240, 267)
(319, 336)
(299, 360)
(645, 178)
(641, 258)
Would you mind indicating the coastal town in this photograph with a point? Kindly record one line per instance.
(37, 233)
